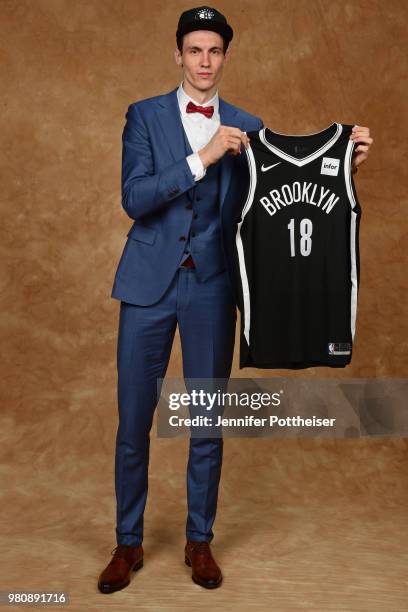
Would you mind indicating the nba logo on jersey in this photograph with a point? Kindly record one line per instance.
(330, 166)
(339, 348)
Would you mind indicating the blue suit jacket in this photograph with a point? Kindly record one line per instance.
(156, 180)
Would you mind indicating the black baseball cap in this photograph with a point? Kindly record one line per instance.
(204, 18)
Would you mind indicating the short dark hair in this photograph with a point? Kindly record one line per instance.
(180, 43)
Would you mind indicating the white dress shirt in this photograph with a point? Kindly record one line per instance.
(199, 129)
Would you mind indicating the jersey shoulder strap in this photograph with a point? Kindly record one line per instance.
(349, 146)
(251, 161)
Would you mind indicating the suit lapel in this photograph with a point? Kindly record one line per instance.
(168, 115)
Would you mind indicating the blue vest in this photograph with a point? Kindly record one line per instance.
(204, 241)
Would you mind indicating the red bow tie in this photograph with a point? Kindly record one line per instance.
(205, 110)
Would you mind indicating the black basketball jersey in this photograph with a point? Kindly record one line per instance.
(297, 255)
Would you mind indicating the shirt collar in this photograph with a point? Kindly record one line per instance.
(184, 99)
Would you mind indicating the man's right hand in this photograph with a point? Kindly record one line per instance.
(226, 139)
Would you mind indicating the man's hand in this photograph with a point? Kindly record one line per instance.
(226, 139)
(360, 134)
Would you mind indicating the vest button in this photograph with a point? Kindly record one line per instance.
(189, 206)
(195, 216)
(182, 238)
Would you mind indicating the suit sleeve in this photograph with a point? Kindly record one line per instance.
(143, 190)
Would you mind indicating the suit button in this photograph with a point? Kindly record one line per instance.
(182, 238)
(193, 234)
(195, 216)
(199, 197)
(189, 206)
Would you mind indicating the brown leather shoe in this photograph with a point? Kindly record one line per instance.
(116, 574)
(205, 572)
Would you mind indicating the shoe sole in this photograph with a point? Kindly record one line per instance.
(203, 584)
(108, 590)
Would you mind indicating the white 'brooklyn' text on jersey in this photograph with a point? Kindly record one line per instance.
(297, 255)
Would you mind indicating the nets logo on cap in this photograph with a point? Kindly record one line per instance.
(204, 18)
(204, 14)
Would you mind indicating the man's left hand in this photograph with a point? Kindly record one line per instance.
(360, 134)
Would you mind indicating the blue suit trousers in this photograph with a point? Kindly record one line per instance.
(206, 315)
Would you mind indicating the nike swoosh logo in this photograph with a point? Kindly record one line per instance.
(269, 167)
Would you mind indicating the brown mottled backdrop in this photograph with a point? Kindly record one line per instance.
(301, 524)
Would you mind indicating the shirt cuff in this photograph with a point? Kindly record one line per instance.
(196, 166)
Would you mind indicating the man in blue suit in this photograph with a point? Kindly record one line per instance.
(180, 153)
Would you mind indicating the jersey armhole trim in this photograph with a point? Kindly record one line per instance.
(348, 176)
(246, 314)
(252, 181)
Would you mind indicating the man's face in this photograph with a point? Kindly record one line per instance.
(203, 58)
